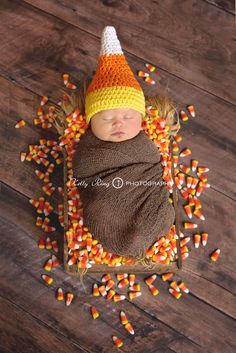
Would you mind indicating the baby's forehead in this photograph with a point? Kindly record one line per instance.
(119, 111)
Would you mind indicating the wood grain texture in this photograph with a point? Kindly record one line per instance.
(211, 314)
(37, 300)
(190, 39)
(227, 5)
(207, 132)
(190, 42)
(21, 332)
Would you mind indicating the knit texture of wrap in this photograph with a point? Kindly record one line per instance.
(125, 200)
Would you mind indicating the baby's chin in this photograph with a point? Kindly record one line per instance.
(117, 137)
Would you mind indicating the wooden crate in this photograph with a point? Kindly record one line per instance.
(97, 268)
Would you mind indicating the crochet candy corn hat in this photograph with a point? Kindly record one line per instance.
(113, 85)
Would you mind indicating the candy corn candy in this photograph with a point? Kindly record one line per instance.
(183, 116)
(181, 178)
(196, 240)
(199, 190)
(60, 294)
(123, 283)
(204, 239)
(149, 80)
(41, 244)
(48, 229)
(153, 289)
(69, 298)
(65, 78)
(129, 328)
(177, 182)
(150, 279)
(175, 160)
(118, 343)
(47, 279)
(135, 287)
(194, 183)
(43, 100)
(50, 143)
(47, 209)
(106, 277)
(94, 312)
(123, 318)
(188, 211)
(191, 201)
(70, 85)
(142, 74)
(190, 225)
(55, 262)
(175, 146)
(184, 241)
(109, 284)
(183, 287)
(215, 255)
(96, 292)
(185, 152)
(120, 276)
(133, 295)
(201, 170)
(118, 297)
(110, 294)
(184, 168)
(131, 279)
(197, 203)
(72, 261)
(40, 111)
(204, 185)
(150, 67)
(39, 174)
(20, 124)
(22, 156)
(189, 181)
(54, 245)
(178, 138)
(184, 193)
(48, 243)
(202, 177)
(48, 265)
(194, 164)
(175, 294)
(184, 249)
(102, 290)
(199, 214)
(185, 255)
(167, 276)
(191, 110)
(50, 168)
(175, 286)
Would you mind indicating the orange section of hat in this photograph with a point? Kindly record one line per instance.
(113, 70)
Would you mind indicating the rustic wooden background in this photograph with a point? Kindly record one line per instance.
(192, 44)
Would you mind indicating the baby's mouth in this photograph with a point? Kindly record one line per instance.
(118, 133)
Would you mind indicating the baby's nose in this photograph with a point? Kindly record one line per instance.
(118, 122)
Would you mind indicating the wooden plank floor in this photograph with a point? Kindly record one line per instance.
(190, 43)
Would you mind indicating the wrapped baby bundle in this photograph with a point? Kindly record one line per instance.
(125, 200)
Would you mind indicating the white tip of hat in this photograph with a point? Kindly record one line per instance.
(110, 43)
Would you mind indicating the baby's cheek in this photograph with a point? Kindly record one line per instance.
(134, 128)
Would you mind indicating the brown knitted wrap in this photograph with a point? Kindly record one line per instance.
(126, 220)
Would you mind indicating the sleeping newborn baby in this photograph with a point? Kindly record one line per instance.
(117, 167)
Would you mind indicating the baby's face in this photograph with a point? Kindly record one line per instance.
(116, 125)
